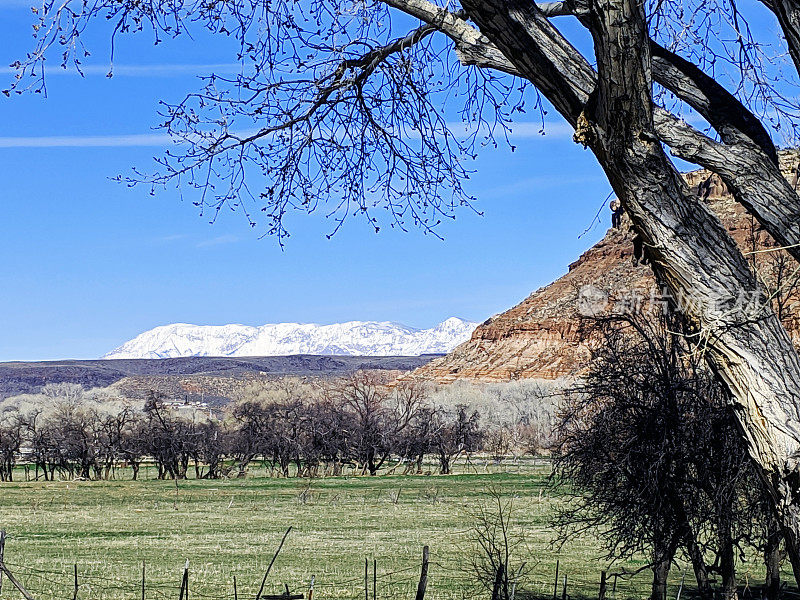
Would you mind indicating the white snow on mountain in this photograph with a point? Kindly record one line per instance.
(355, 338)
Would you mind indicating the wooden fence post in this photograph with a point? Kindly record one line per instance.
(2, 552)
(142, 580)
(423, 577)
(555, 586)
(235, 591)
(75, 589)
(564, 589)
(311, 588)
(366, 579)
(374, 579)
(602, 594)
(184, 594)
(4, 569)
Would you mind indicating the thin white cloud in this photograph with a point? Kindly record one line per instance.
(219, 240)
(166, 70)
(521, 130)
(87, 141)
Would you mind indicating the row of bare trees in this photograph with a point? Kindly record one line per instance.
(360, 422)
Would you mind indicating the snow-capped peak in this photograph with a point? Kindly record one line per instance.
(354, 338)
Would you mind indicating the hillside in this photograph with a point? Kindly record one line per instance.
(542, 337)
(185, 377)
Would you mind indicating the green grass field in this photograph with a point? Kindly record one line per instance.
(232, 527)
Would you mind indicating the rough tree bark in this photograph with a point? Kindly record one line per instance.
(662, 561)
(772, 561)
(746, 160)
(690, 250)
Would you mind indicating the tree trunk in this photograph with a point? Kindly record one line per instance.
(727, 563)
(772, 561)
(698, 566)
(372, 467)
(691, 252)
(662, 560)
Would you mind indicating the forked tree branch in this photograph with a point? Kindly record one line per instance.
(366, 65)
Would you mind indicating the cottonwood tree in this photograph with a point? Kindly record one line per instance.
(349, 106)
(366, 397)
(170, 441)
(454, 432)
(11, 430)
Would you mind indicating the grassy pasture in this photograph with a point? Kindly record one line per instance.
(231, 528)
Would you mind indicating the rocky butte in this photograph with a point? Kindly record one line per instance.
(546, 337)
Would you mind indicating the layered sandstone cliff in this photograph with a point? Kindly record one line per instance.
(543, 336)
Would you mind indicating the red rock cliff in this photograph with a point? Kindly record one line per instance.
(542, 336)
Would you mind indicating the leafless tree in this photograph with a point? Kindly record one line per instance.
(116, 429)
(171, 441)
(649, 444)
(365, 396)
(132, 444)
(498, 562)
(212, 446)
(11, 432)
(454, 432)
(248, 440)
(326, 430)
(346, 103)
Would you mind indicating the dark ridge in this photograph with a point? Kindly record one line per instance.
(29, 377)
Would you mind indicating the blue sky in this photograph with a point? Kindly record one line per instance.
(89, 263)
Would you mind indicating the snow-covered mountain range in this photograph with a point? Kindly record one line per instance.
(354, 338)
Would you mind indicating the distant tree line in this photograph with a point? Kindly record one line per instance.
(362, 423)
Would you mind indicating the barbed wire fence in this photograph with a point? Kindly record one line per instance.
(411, 582)
(71, 582)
